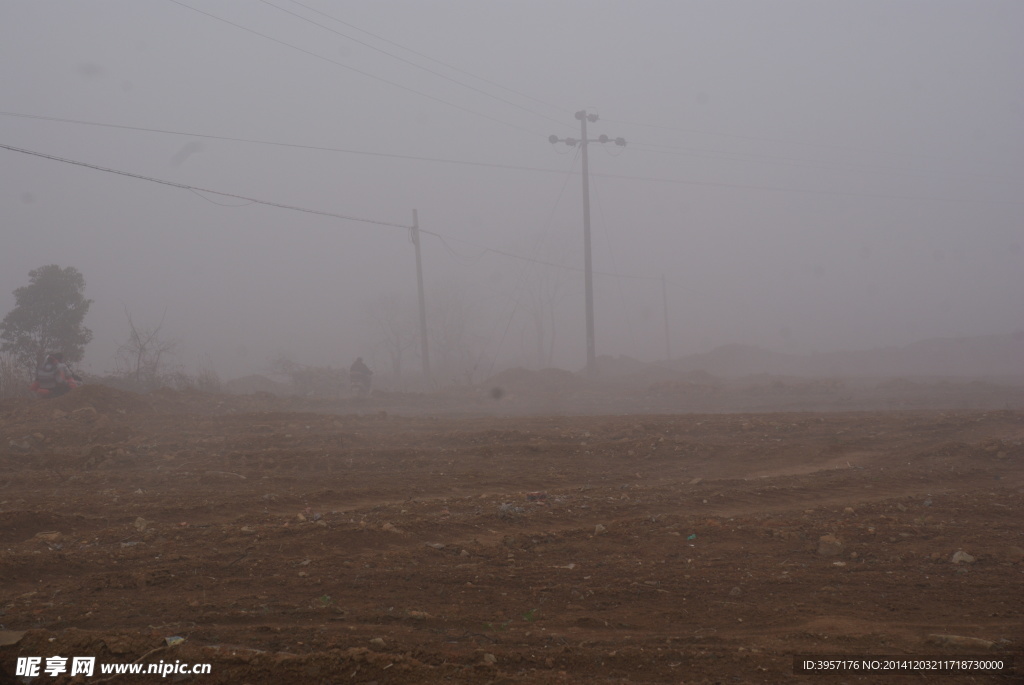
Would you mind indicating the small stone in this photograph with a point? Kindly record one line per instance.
(829, 546)
(490, 659)
(378, 642)
(962, 557)
(960, 641)
(598, 529)
(1011, 553)
(141, 524)
(735, 592)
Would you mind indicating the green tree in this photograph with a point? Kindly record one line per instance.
(47, 317)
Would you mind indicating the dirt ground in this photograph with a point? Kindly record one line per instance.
(421, 540)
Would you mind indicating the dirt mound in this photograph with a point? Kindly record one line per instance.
(529, 382)
(100, 399)
(256, 383)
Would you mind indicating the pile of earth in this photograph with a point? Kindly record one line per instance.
(93, 399)
(527, 382)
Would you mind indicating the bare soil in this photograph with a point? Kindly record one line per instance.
(418, 540)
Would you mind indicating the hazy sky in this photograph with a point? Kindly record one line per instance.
(806, 175)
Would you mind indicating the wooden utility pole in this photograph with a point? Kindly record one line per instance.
(414, 235)
(664, 307)
(588, 274)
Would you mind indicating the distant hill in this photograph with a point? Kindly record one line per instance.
(990, 356)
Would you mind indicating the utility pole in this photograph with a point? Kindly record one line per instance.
(664, 307)
(587, 269)
(414, 236)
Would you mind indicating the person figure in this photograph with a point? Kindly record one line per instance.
(53, 377)
(359, 376)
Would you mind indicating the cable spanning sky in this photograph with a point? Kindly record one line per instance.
(805, 176)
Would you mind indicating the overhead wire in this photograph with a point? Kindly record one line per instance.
(355, 70)
(417, 66)
(441, 160)
(435, 61)
(186, 186)
(295, 208)
(680, 151)
(784, 141)
(255, 141)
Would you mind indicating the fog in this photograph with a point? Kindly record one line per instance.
(804, 176)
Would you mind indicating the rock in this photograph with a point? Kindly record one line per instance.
(11, 637)
(829, 546)
(86, 412)
(141, 524)
(50, 536)
(490, 659)
(960, 641)
(598, 529)
(378, 642)
(1011, 553)
(962, 557)
(735, 592)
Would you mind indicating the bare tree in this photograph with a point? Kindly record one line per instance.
(142, 359)
(544, 291)
(395, 327)
(456, 346)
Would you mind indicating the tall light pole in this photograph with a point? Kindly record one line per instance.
(587, 269)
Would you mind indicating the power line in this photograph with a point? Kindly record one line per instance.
(319, 148)
(832, 146)
(493, 165)
(295, 208)
(777, 189)
(790, 161)
(358, 71)
(185, 186)
(411, 63)
(435, 61)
